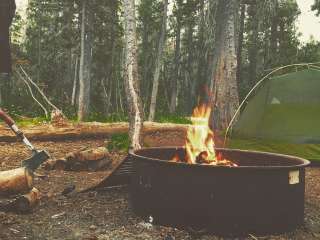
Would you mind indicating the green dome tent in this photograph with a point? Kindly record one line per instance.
(283, 116)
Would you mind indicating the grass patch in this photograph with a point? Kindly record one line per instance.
(119, 142)
(99, 117)
(27, 122)
(307, 151)
(173, 119)
(120, 117)
(116, 117)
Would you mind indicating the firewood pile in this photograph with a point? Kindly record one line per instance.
(17, 193)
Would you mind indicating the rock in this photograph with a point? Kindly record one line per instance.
(145, 225)
(68, 189)
(93, 227)
(58, 215)
(92, 194)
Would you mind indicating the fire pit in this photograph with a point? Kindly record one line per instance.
(262, 193)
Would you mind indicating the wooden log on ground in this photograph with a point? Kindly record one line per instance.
(55, 164)
(22, 203)
(49, 132)
(27, 202)
(93, 159)
(15, 181)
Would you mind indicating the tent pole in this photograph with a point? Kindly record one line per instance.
(255, 87)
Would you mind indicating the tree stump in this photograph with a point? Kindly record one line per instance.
(21, 203)
(16, 181)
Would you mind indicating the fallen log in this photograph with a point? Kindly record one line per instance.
(84, 160)
(55, 164)
(22, 203)
(16, 181)
(91, 154)
(48, 132)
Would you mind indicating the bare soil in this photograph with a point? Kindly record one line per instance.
(108, 215)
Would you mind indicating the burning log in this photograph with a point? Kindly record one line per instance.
(91, 159)
(21, 204)
(15, 181)
(200, 145)
(202, 158)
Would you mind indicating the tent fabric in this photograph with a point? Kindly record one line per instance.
(283, 116)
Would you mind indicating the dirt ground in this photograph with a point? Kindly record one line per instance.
(107, 215)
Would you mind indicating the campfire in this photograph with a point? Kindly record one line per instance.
(263, 193)
(200, 146)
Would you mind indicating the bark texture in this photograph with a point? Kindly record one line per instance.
(174, 90)
(131, 75)
(273, 56)
(159, 63)
(224, 82)
(240, 41)
(21, 204)
(253, 48)
(84, 160)
(75, 81)
(15, 181)
(7, 11)
(28, 201)
(85, 62)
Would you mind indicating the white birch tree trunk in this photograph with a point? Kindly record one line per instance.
(159, 62)
(131, 75)
(85, 61)
(75, 80)
(174, 92)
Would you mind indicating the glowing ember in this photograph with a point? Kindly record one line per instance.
(175, 158)
(200, 147)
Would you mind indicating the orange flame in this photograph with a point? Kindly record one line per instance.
(199, 142)
(175, 158)
(200, 147)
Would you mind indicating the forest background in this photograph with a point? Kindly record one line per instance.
(75, 52)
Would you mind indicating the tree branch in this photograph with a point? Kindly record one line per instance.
(39, 90)
(31, 93)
